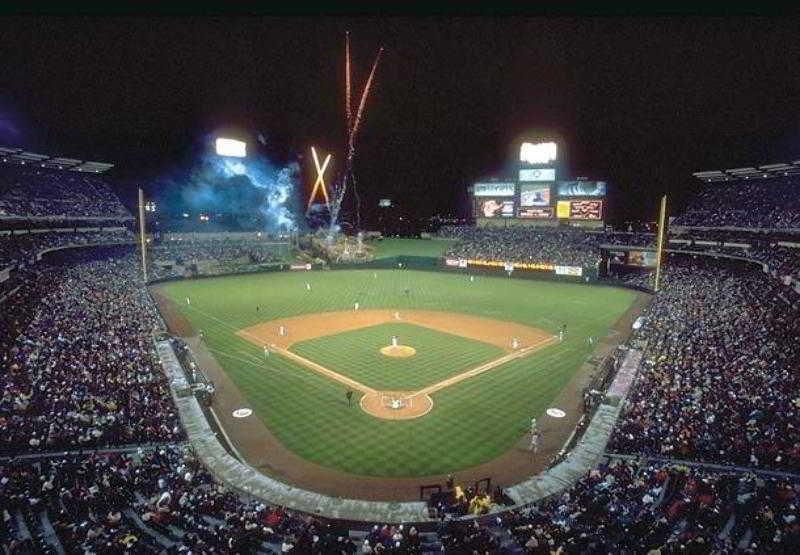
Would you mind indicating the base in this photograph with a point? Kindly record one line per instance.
(396, 405)
(398, 351)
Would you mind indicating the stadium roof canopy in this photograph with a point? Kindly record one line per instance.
(22, 157)
(760, 172)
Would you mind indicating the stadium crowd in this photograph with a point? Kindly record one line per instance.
(20, 248)
(639, 507)
(29, 191)
(769, 203)
(719, 381)
(68, 386)
(565, 247)
(218, 255)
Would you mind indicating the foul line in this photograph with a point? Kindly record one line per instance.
(521, 353)
(324, 371)
(427, 390)
(485, 367)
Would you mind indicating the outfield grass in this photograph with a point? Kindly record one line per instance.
(471, 422)
(356, 354)
(396, 246)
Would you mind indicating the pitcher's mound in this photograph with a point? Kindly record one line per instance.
(399, 351)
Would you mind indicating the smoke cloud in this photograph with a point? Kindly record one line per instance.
(254, 190)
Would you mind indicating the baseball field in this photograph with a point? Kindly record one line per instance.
(446, 372)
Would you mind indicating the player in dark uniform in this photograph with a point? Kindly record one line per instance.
(349, 396)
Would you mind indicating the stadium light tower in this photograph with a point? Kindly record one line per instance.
(231, 147)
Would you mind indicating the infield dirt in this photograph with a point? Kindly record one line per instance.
(310, 326)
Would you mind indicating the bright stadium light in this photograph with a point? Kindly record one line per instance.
(231, 147)
(538, 153)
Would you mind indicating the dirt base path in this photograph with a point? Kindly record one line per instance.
(279, 335)
(265, 452)
(310, 326)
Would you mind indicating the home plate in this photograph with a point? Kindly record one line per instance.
(242, 413)
(556, 413)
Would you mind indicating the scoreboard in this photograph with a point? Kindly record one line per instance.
(534, 194)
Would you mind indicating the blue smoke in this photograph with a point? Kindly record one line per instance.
(260, 194)
(277, 184)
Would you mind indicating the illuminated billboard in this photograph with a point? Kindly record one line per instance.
(537, 174)
(580, 209)
(385, 203)
(534, 194)
(493, 189)
(231, 147)
(645, 259)
(538, 153)
(581, 188)
(535, 213)
(585, 209)
(495, 208)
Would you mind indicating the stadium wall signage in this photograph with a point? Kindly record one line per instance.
(494, 189)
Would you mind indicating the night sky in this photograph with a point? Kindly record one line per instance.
(639, 102)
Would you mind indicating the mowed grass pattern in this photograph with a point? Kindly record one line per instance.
(356, 354)
(471, 422)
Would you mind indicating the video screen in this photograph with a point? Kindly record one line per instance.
(645, 259)
(585, 209)
(536, 213)
(581, 188)
(495, 208)
(534, 194)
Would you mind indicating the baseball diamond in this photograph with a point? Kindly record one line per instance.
(461, 402)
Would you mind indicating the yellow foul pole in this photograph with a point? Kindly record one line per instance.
(662, 239)
(141, 234)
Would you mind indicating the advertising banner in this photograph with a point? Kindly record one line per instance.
(495, 208)
(534, 194)
(516, 265)
(455, 262)
(581, 188)
(562, 209)
(537, 174)
(300, 267)
(569, 270)
(536, 213)
(585, 209)
(493, 190)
